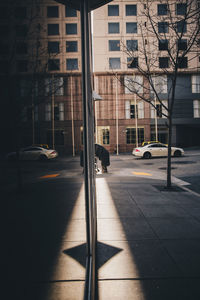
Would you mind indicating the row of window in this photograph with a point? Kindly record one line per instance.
(132, 111)
(132, 62)
(131, 27)
(162, 9)
(22, 12)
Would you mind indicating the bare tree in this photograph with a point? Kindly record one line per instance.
(170, 36)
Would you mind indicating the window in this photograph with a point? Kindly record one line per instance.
(163, 45)
(53, 47)
(161, 109)
(181, 9)
(58, 112)
(103, 135)
(54, 64)
(113, 27)
(160, 84)
(131, 27)
(133, 83)
(196, 108)
(71, 46)
(182, 44)
(72, 64)
(70, 12)
(182, 62)
(132, 45)
(131, 110)
(163, 62)
(53, 29)
(131, 135)
(20, 12)
(24, 87)
(131, 10)
(56, 85)
(163, 27)
(21, 48)
(21, 30)
(162, 9)
(113, 10)
(71, 28)
(114, 63)
(182, 26)
(52, 12)
(22, 66)
(114, 45)
(132, 62)
(195, 83)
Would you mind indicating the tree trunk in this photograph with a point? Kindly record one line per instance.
(169, 183)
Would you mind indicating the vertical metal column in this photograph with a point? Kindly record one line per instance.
(88, 141)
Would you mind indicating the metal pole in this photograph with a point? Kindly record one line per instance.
(136, 123)
(52, 113)
(72, 115)
(117, 117)
(156, 122)
(95, 109)
(88, 153)
(33, 118)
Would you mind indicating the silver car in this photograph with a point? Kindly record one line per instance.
(33, 153)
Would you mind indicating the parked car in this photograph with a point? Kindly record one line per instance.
(33, 153)
(156, 149)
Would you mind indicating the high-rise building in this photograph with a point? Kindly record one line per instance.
(40, 70)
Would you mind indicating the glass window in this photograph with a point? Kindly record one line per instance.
(131, 10)
(182, 26)
(131, 27)
(113, 27)
(131, 110)
(113, 10)
(52, 12)
(196, 108)
(181, 9)
(133, 83)
(71, 28)
(70, 12)
(132, 62)
(132, 45)
(53, 29)
(163, 62)
(114, 63)
(162, 9)
(182, 62)
(163, 45)
(72, 64)
(56, 85)
(163, 27)
(22, 66)
(71, 46)
(182, 44)
(114, 45)
(54, 64)
(160, 84)
(53, 47)
(195, 83)
(131, 135)
(103, 135)
(20, 12)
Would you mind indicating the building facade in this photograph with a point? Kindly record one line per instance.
(40, 69)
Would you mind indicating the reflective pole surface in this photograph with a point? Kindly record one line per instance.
(88, 155)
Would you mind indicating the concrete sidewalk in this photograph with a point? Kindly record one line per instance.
(148, 241)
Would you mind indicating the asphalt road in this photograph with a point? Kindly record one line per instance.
(186, 169)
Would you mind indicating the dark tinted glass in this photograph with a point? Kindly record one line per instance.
(113, 10)
(131, 10)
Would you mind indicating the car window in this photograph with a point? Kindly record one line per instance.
(32, 149)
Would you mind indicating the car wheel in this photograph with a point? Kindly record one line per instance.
(42, 157)
(177, 153)
(147, 155)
